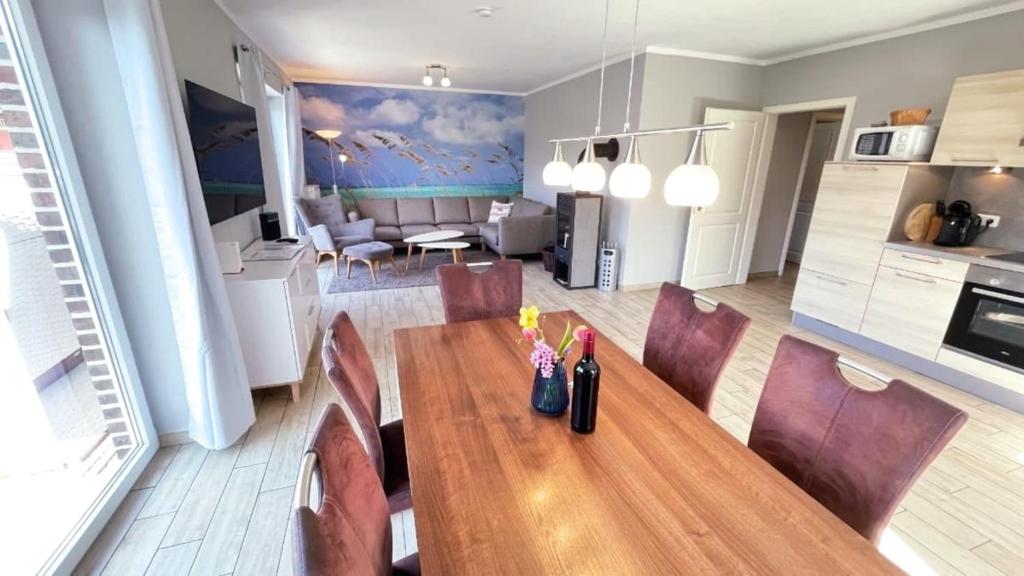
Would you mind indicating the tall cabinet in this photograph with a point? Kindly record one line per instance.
(859, 207)
(578, 226)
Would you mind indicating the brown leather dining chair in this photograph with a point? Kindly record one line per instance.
(689, 348)
(350, 530)
(470, 295)
(350, 370)
(855, 451)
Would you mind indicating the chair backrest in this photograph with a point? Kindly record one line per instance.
(469, 295)
(350, 532)
(350, 370)
(856, 451)
(689, 348)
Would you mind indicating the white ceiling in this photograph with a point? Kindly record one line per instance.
(529, 43)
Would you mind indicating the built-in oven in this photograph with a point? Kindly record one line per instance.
(989, 317)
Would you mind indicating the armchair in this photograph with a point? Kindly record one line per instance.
(326, 222)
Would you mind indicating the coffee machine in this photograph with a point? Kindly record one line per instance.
(960, 225)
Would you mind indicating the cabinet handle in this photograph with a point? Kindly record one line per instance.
(922, 259)
(310, 311)
(860, 167)
(832, 280)
(956, 158)
(908, 277)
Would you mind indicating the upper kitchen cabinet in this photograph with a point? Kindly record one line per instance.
(984, 122)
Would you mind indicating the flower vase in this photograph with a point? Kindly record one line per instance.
(551, 395)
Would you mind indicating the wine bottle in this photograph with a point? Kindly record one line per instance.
(586, 379)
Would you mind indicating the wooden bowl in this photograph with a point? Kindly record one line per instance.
(909, 116)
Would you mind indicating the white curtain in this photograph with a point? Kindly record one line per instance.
(216, 384)
(254, 93)
(296, 158)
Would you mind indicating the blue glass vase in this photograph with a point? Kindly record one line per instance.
(551, 395)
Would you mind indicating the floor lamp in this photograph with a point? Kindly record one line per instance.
(329, 136)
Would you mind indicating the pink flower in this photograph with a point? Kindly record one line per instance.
(543, 359)
(529, 334)
(578, 333)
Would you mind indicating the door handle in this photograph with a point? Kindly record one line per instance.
(909, 277)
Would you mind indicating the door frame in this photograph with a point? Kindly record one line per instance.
(772, 114)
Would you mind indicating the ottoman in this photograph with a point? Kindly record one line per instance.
(372, 253)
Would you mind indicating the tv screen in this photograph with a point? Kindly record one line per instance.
(227, 149)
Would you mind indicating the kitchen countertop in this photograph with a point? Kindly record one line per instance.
(978, 255)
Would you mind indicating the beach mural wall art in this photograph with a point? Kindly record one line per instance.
(407, 142)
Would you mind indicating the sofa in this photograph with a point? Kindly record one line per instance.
(527, 230)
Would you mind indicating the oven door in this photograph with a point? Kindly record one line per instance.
(989, 322)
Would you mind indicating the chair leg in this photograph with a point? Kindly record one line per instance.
(348, 267)
(336, 264)
(373, 275)
(394, 266)
(502, 256)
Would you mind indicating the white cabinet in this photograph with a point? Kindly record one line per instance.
(276, 304)
(909, 310)
(859, 207)
(984, 122)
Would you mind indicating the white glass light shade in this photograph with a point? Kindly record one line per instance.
(446, 81)
(630, 181)
(427, 80)
(557, 173)
(342, 158)
(327, 134)
(691, 185)
(588, 177)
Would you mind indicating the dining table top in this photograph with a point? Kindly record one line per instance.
(658, 487)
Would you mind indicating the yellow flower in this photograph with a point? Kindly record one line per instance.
(528, 317)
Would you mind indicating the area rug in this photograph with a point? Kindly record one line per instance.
(388, 280)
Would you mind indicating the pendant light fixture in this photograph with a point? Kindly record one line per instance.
(557, 172)
(693, 183)
(588, 175)
(427, 79)
(631, 179)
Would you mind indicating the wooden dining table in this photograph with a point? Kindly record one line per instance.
(658, 488)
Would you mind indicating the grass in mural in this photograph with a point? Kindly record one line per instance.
(350, 195)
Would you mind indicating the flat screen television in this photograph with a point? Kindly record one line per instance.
(226, 144)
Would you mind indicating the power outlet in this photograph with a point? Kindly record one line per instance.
(993, 217)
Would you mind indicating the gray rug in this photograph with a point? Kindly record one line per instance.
(388, 280)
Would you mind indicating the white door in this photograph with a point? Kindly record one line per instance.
(824, 140)
(715, 239)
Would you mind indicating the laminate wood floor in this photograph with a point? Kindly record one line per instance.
(227, 512)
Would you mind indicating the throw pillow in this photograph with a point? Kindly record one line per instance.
(499, 211)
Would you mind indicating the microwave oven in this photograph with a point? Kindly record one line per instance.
(894, 143)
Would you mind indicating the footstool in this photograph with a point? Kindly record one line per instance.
(372, 253)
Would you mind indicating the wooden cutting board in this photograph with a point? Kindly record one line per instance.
(918, 225)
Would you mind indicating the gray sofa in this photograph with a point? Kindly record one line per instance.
(529, 228)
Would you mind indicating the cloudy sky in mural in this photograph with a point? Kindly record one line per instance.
(413, 138)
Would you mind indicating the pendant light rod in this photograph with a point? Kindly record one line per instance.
(604, 61)
(654, 132)
(632, 61)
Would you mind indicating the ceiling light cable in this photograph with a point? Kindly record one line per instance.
(604, 60)
(632, 61)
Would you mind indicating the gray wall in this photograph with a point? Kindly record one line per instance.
(97, 115)
(780, 191)
(905, 72)
(676, 91)
(997, 194)
(570, 109)
(202, 38)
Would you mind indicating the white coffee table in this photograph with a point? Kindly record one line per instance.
(426, 238)
(455, 247)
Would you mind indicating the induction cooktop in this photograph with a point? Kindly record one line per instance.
(1016, 257)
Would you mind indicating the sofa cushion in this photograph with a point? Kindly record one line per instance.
(415, 211)
(387, 233)
(526, 207)
(489, 232)
(451, 210)
(327, 211)
(384, 211)
(414, 229)
(499, 211)
(467, 229)
(480, 206)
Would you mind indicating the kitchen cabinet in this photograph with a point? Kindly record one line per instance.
(859, 207)
(953, 270)
(984, 122)
(909, 310)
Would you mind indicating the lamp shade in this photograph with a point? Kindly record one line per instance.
(327, 134)
(691, 185)
(588, 175)
(631, 179)
(557, 173)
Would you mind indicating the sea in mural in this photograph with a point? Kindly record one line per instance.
(406, 142)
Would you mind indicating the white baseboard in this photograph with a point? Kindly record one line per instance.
(641, 287)
(174, 438)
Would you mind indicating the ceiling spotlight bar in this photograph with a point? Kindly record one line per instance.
(654, 132)
(428, 80)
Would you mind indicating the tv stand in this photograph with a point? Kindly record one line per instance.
(276, 304)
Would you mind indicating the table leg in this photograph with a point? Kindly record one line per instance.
(408, 256)
(394, 266)
(423, 254)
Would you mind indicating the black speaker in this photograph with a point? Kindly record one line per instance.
(270, 226)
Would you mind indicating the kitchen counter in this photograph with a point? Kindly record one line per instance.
(978, 255)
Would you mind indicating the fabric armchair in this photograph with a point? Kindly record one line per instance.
(329, 212)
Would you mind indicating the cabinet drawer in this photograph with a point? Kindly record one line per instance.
(852, 216)
(833, 300)
(910, 311)
(934, 266)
